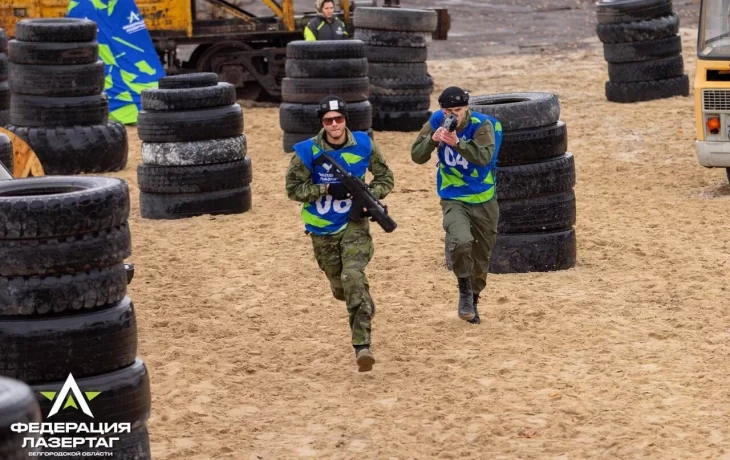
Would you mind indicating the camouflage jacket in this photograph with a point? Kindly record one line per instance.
(299, 185)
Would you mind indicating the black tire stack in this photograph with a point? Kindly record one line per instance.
(397, 50)
(4, 87)
(6, 152)
(194, 158)
(535, 180)
(642, 49)
(315, 70)
(63, 302)
(58, 105)
(18, 405)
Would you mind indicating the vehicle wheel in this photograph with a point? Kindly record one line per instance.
(77, 149)
(18, 404)
(536, 179)
(190, 125)
(45, 53)
(532, 144)
(194, 179)
(533, 252)
(616, 53)
(57, 80)
(45, 111)
(639, 31)
(328, 49)
(56, 30)
(619, 11)
(313, 90)
(398, 19)
(182, 205)
(30, 207)
(194, 153)
(656, 69)
(638, 91)
(192, 80)
(46, 349)
(168, 100)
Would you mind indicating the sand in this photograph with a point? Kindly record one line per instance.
(623, 356)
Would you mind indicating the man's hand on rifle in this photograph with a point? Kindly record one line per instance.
(448, 138)
(338, 191)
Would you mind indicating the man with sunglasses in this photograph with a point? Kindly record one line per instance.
(339, 230)
(466, 185)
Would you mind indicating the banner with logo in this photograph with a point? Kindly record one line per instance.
(126, 48)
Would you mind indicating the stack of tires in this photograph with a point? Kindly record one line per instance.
(6, 152)
(315, 70)
(63, 304)
(642, 49)
(535, 180)
(400, 85)
(4, 88)
(194, 158)
(18, 405)
(58, 105)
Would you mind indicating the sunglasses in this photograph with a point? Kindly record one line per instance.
(331, 120)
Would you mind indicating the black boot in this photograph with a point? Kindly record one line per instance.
(476, 319)
(466, 301)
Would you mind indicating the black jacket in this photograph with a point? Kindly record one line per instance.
(320, 29)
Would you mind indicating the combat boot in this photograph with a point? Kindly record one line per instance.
(466, 300)
(476, 319)
(364, 357)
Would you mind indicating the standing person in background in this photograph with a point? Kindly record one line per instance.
(325, 26)
(466, 184)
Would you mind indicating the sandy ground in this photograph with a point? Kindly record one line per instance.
(623, 356)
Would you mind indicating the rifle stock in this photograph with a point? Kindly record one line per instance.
(363, 197)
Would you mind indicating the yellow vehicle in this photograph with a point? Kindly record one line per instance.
(247, 50)
(712, 85)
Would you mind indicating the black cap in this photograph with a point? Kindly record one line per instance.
(453, 97)
(331, 104)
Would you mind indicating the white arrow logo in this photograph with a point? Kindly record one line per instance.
(78, 397)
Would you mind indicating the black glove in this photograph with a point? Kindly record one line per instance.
(338, 191)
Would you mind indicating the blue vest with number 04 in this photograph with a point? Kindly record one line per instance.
(326, 215)
(457, 178)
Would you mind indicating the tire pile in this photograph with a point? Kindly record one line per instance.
(315, 70)
(18, 405)
(58, 105)
(397, 49)
(64, 307)
(642, 49)
(6, 152)
(535, 180)
(4, 88)
(194, 158)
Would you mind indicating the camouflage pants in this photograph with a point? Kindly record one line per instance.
(471, 232)
(343, 257)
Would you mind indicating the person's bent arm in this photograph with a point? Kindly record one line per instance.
(423, 145)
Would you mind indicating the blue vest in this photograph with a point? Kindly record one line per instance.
(457, 178)
(326, 216)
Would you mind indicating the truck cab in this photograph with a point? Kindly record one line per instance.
(712, 85)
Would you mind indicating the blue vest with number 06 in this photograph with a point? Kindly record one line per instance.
(326, 216)
(457, 178)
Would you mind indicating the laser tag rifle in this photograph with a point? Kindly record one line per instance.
(362, 196)
(449, 125)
